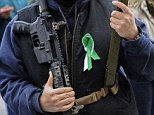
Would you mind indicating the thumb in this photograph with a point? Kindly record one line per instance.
(50, 80)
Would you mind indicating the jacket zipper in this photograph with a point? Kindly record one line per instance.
(66, 50)
(77, 19)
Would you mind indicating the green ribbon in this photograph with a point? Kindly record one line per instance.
(88, 44)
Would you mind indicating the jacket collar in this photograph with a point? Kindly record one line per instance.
(54, 5)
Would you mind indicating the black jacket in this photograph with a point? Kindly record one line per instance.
(73, 50)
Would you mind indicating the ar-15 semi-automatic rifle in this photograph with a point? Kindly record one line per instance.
(46, 44)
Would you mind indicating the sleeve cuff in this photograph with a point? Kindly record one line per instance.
(36, 103)
(135, 46)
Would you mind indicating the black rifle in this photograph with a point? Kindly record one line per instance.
(46, 44)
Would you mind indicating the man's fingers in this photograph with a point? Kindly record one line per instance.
(66, 101)
(66, 95)
(62, 90)
(6, 9)
(122, 6)
(50, 80)
(118, 15)
(57, 90)
(115, 20)
(67, 107)
(10, 9)
(114, 26)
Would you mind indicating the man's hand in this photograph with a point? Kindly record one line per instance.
(124, 22)
(6, 11)
(56, 100)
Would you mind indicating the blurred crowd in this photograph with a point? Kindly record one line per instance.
(8, 9)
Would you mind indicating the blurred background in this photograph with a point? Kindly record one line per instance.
(3, 109)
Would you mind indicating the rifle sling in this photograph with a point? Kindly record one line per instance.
(112, 62)
(95, 96)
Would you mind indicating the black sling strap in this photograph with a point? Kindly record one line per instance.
(112, 62)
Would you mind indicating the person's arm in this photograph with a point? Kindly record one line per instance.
(18, 93)
(22, 96)
(138, 48)
(139, 56)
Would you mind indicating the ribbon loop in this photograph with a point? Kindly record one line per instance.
(88, 44)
